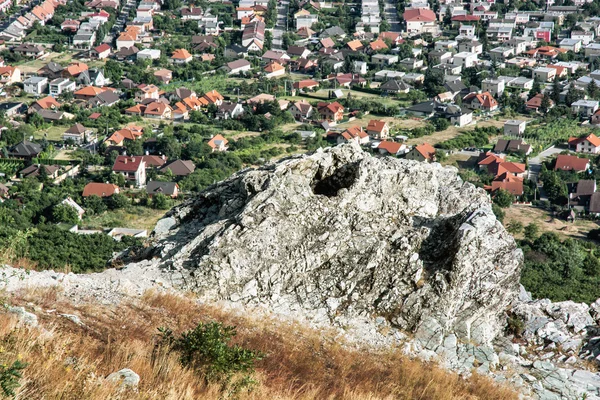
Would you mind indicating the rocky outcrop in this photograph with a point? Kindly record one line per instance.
(340, 233)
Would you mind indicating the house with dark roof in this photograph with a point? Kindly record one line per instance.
(395, 86)
(179, 167)
(170, 189)
(512, 146)
(229, 110)
(77, 133)
(25, 150)
(581, 196)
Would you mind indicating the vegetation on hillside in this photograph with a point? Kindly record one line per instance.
(69, 361)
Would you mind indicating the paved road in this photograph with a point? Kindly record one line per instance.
(535, 163)
(120, 22)
(279, 29)
(391, 15)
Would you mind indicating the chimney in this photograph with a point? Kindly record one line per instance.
(133, 159)
(163, 157)
(125, 160)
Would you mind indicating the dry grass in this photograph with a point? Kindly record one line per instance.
(67, 361)
(547, 222)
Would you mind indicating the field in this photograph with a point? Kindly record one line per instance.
(135, 217)
(547, 222)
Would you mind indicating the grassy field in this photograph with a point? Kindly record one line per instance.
(547, 222)
(54, 132)
(135, 217)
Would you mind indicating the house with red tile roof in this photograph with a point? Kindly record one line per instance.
(566, 162)
(481, 101)
(89, 92)
(393, 148)
(510, 183)
(378, 129)
(100, 52)
(355, 45)
(354, 134)
(330, 111)
(420, 20)
(305, 84)
(47, 103)
(588, 144)
(535, 103)
(377, 45)
(218, 143)
(100, 189)
(301, 110)
(132, 168)
(274, 69)
(181, 56)
(213, 97)
(158, 110)
(422, 152)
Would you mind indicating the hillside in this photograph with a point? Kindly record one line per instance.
(70, 361)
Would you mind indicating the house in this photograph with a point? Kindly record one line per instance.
(218, 143)
(331, 111)
(298, 51)
(301, 110)
(353, 134)
(12, 109)
(512, 146)
(535, 103)
(305, 84)
(100, 52)
(585, 108)
(584, 190)
(481, 101)
(30, 50)
(588, 144)
(105, 99)
(179, 167)
(93, 77)
(507, 182)
(229, 110)
(36, 85)
(181, 56)
(493, 86)
(88, 92)
(51, 70)
(126, 40)
(384, 59)
(25, 150)
(127, 53)
(148, 54)
(100, 189)
(395, 86)
(47, 103)
(170, 189)
(274, 69)
(36, 170)
(9, 75)
(74, 69)
(420, 20)
(77, 133)
(393, 148)
(422, 152)
(378, 129)
(61, 85)
(158, 110)
(238, 66)
(132, 168)
(464, 59)
(544, 74)
(514, 127)
(573, 45)
(571, 163)
(213, 97)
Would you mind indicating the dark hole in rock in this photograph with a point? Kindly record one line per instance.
(341, 178)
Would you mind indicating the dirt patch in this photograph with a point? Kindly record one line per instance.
(548, 222)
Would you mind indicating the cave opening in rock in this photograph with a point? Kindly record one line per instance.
(341, 178)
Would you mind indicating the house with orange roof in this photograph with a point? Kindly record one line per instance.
(420, 20)
(353, 134)
(218, 143)
(126, 40)
(181, 56)
(511, 184)
(99, 189)
(9, 75)
(305, 84)
(180, 111)
(394, 148)
(355, 45)
(158, 110)
(213, 97)
(422, 152)
(146, 92)
(481, 101)
(378, 129)
(274, 69)
(164, 75)
(377, 45)
(88, 92)
(588, 144)
(47, 103)
(74, 69)
(138, 109)
(333, 112)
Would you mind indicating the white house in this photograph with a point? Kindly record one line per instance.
(573, 45)
(36, 85)
(585, 108)
(514, 127)
(465, 60)
(148, 54)
(61, 85)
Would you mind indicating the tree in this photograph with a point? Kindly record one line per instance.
(515, 227)
(161, 202)
(545, 103)
(531, 231)
(95, 204)
(117, 201)
(440, 124)
(503, 198)
(592, 89)
(536, 88)
(65, 213)
(556, 90)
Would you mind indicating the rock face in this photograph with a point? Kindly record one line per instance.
(341, 233)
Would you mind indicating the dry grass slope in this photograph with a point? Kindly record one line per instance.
(67, 361)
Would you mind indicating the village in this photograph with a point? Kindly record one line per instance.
(113, 112)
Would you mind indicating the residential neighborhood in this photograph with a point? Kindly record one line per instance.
(151, 101)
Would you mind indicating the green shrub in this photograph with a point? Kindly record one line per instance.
(206, 350)
(9, 377)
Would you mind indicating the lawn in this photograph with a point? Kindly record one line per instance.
(135, 217)
(53, 133)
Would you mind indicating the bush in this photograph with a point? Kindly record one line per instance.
(161, 202)
(498, 212)
(9, 377)
(503, 198)
(206, 350)
(515, 326)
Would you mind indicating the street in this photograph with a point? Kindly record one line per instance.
(391, 15)
(280, 26)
